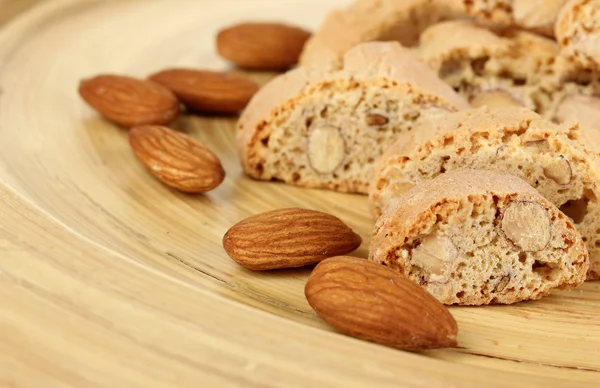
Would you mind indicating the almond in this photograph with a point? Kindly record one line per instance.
(129, 101)
(526, 225)
(176, 159)
(262, 46)
(208, 91)
(495, 98)
(288, 238)
(373, 303)
(326, 149)
(376, 120)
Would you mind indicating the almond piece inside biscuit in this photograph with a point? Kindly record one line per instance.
(535, 146)
(326, 149)
(559, 170)
(502, 284)
(526, 225)
(376, 120)
(434, 254)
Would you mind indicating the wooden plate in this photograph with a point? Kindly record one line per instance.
(108, 278)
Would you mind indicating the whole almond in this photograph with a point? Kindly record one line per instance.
(371, 302)
(208, 91)
(288, 238)
(176, 159)
(262, 46)
(129, 101)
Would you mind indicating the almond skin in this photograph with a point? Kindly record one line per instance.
(373, 303)
(129, 101)
(262, 46)
(288, 238)
(176, 159)
(208, 91)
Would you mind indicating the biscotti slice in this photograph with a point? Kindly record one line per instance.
(511, 140)
(535, 15)
(578, 32)
(475, 61)
(474, 237)
(372, 20)
(327, 129)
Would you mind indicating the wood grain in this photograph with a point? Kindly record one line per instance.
(108, 278)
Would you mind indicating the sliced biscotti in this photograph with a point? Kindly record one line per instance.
(578, 32)
(476, 61)
(327, 129)
(474, 237)
(372, 20)
(512, 140)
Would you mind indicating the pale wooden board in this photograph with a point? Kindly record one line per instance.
(107, 278)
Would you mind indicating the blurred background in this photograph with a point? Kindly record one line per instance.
(10, 8)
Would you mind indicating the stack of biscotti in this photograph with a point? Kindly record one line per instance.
(534, 53)
(327, 128)
(473, 237)
(517, 141)
(479, 198)
(326, 123)
(459, 212)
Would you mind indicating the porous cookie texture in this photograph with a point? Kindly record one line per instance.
(494, 11)
(327, 129)
(517, 141)
(475, 60)
(474, 237)
(578, 32)
(372, 20)
(535, 15)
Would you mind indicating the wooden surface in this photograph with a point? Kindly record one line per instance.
(109, 279)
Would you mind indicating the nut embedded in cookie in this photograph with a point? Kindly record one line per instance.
(474, 237)
(495, 98)
(434, 254)
(327, 129)
(516, 141)
(526, 225)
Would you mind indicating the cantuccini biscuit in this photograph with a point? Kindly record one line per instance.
(475, 60)
(327, 128)
(551, 158)
(474, 237)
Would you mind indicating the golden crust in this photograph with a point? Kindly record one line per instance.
(423, 210)
(383, 69)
